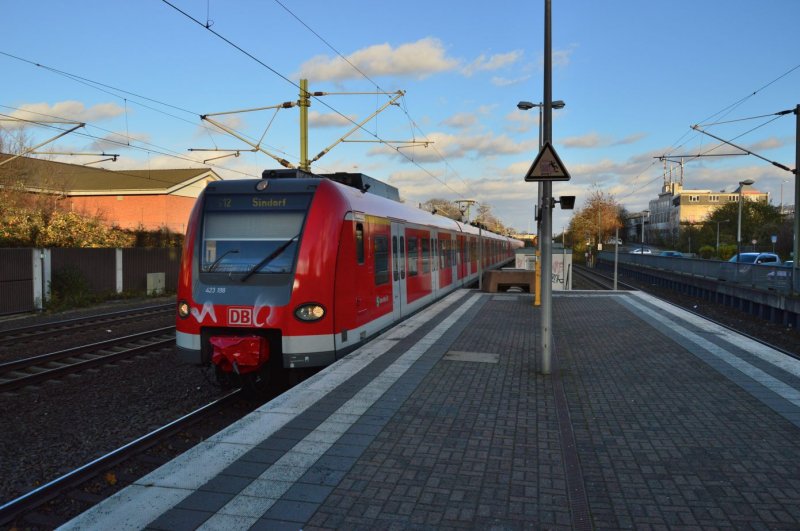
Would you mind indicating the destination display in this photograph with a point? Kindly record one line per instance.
(216, 203)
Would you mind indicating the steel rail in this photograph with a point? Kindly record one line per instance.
(44, 329)
(48, 373)
(593, 276)
(72, 479)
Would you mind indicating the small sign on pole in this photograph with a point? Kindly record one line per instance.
(547, 166)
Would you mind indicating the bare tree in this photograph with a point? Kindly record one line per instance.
(442, 207)
(597, 221)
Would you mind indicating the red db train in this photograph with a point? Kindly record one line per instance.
(297, 270)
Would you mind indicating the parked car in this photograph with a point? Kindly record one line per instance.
(671, 253)
(757, 258)
(642, 250)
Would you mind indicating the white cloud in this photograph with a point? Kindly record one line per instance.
(768, 143)
(231, 121)
(561, 57)
(521, 121)
(417, 60)
(498, 81)
(65, 110)
(116, 141)
(495, 62)
(590, 140)
(319, 120)
(462, 120)
(461, 146)
(596, 140)
(630, 139)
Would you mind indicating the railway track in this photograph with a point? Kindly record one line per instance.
(37, 369)
(39, 331)
(597, 280)
(72, 482)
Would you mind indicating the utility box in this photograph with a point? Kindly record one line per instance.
(562, 269)
(525, 258)
(156, 283)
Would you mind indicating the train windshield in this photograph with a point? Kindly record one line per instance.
(250, 242)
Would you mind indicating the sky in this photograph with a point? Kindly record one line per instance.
(635, 77)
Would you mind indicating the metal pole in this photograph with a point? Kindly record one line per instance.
(304, 102)
(642, 232)
(480, 258)
(616, 256)
(547, 192)
(796, 247)
(537, 298)
(563, 258)
(739, 227)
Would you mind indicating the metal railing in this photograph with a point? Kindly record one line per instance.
(757, 276)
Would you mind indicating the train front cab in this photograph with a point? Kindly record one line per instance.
(257, 276)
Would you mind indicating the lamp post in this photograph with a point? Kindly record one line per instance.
(742, 184)
(780, 207)
(526, 106)
(718, 222)
(644, 213)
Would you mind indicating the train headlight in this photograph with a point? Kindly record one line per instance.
(183, 309)
(310, 312)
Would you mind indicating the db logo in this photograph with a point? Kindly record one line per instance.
(240, 316)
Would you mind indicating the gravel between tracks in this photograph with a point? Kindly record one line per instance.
(54, 428)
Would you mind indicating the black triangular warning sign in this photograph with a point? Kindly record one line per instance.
(547, 166)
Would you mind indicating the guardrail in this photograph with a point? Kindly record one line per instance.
(772, 278)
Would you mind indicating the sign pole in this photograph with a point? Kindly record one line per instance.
(546, 235)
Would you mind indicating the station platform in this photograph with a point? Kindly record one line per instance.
(651, 418)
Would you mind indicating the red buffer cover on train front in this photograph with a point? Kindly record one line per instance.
(247, 353)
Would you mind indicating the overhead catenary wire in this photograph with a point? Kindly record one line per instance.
(160, 150)
(115, 92)
(404, 107)
(723, 112)
(285, 78)
(728, 109)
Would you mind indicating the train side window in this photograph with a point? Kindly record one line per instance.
(402, 257)
(426, 255)
(395, 272)
(412, 257)
(360, 243)
(381, 260)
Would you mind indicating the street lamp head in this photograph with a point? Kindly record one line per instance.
(528, 105)
(746, 182)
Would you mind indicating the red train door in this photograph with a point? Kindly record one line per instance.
(398, 269)
(460, 262)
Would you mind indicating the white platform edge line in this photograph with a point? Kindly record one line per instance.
(782, 389)
(144, 500)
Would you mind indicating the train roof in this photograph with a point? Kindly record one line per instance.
(362, 193)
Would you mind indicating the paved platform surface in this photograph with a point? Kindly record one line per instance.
(651, 418)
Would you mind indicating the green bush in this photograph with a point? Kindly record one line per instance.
(706, 252)
(727, 251)
(70, 289)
